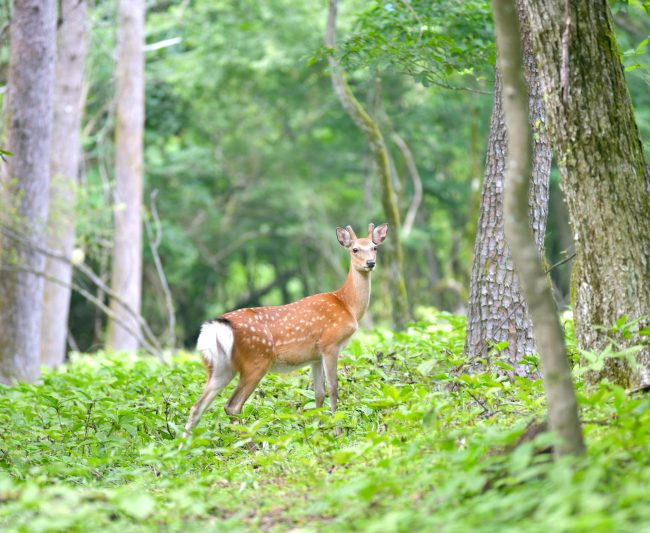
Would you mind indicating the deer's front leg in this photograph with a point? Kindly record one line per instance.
(319, 382)
(330, 362)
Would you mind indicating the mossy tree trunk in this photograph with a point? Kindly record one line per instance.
(64, 165)
(26, 186)
(605, 176)
(497, 310)
(370, 128)
(560, 395)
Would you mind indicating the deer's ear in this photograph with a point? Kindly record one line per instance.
(379, 233)
(344, 237)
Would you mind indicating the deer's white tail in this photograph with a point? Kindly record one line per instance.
(215, 343)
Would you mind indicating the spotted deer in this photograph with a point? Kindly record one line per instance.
(312, 331)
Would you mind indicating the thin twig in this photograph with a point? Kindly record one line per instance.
(88, 272)
(154, 243)
(91, 298)
(559, 263)
(416, 201)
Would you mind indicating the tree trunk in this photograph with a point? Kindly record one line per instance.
(560, 395)
(606, 180)
(497, 309)
(129, 131)
(26, 186)
(369, 127)
(64, 167)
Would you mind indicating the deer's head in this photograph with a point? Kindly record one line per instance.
(363, 251)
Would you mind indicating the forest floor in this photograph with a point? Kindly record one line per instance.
(425, 447)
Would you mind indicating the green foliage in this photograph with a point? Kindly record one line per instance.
(255, 162)
(431, 41)
(426, 446)
(632, 19)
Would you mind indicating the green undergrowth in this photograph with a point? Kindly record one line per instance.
(426, 446)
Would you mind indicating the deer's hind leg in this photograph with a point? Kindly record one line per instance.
(248, 380)
(219, 376)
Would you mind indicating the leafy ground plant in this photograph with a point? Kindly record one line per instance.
(427, 446)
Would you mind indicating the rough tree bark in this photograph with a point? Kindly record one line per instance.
(497, 311)
(562, 404)
(26, 185)
(369, 127)
(126, 278)
(605, 175)
(64, 167)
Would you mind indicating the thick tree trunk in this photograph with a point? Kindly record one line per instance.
(605, 175)
(497, 309)
(64, 165)
(369, 127)
(560, 395)
(129, 130)
(26, 185)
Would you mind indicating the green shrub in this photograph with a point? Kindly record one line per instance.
(426, 446)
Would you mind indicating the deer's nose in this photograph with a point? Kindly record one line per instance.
(370, 263)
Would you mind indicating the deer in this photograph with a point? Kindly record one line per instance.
(312, 331)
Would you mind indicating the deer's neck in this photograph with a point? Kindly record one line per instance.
(355, 293)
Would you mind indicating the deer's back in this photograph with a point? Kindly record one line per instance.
(289, 336)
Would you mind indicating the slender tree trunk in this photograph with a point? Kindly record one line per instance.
(497, 308)
(129, 136)
(369, 127)
(26, 185)
(562, 404)
(64, 165)
(606, 180)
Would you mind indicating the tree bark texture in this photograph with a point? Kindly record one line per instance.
(64, 166)
(497, 310)
(606, 180)
(370, 128)
(26, 184)
(560, 394)
(129, 131)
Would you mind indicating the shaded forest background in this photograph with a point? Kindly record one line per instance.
(250, 161)
(220, 144)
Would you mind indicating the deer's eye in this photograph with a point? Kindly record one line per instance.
(374, 248)
(355, 250)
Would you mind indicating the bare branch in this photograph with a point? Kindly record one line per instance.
(91, 298)
(561, 262)
(154, 242)
(416, 201)
(88, 272)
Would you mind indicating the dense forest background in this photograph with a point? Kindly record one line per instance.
(250, 161)
(167, 161)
